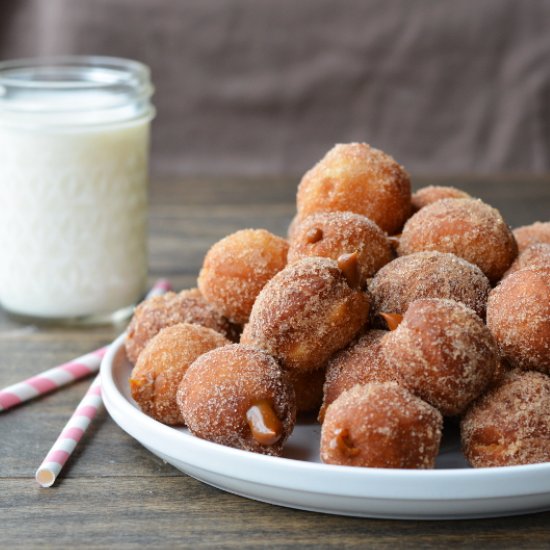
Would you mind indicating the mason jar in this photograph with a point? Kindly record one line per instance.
(74, 147)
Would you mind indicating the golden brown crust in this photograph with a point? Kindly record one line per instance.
(433, 193)
(222, 385)
(468, 228)
(160, 367)
(381, 426)
(236, 268)
(510, 424)
(357, 178)
(331, 234)
(158, 312)
(526, 235)
(518, 315)
(534, 256)
(443, 353)
(428, 275)
(360, 363)
(306, 313)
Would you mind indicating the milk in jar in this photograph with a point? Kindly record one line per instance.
(74, 141)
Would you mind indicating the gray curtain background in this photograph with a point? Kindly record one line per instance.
(266, 87)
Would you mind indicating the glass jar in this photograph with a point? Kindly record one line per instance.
(74, 143)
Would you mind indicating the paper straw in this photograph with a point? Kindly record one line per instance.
(80, 420)
(57, 377)
(51, 379)
(161, 286)
(70, 436)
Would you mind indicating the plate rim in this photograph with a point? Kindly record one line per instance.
(349, 481)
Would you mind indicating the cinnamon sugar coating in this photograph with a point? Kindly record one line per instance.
(308, 388)
(331, 234)
(538, 232)
(158, 312)
(360, 363)
(358, 178)
(160, 367)
(468, 228)
(428, 275)
(236, 268)
(222, 385)
(381, 426)
(510, 424)
(443, 353)
(534, 256)
(518, 315)
(306, 313)
(433, 193)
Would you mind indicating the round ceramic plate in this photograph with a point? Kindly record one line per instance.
(299, 480)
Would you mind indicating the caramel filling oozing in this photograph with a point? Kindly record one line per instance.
(349, 265)
(314, 235)
(393, 320)
(343, 442)
(266, 428)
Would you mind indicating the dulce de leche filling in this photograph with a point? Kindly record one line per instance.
(343, 443)
(314, 235)
(349, 265)
(393, 320)
(266, 428)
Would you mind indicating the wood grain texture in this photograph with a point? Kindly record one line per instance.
(115, 493)
(179, 511)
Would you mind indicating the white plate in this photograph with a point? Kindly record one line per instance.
(298, 480)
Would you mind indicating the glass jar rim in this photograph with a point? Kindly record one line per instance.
(128, 71)
(91, 90)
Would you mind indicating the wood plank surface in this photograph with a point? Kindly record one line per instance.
(114, 493)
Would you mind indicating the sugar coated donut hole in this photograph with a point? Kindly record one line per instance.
(158, 312)
(443, 353)
(381, 425)
(468, 228)
(308, 388)
(236, 268)
(518, 315)
(538, 232)
(306, 313)
(428, 275)
(360, 363)
(331, 234)
(358, 178)
(161, 365)
(240, 397)
(510, 424)
(534, 256)
(432, 193)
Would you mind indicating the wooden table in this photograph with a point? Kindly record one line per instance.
(115, 493)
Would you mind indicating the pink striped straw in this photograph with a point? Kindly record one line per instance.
(51, 379)
(57, 377)
(80, 420)
(161, 286)
(70, 436)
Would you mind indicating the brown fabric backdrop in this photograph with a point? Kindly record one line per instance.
(249, 86)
